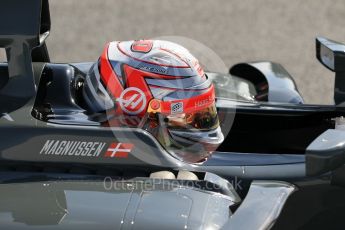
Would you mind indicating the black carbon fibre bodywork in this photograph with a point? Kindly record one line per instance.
(57, 113)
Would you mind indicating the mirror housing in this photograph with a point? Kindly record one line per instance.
(331, 54)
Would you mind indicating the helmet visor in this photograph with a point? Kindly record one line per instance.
(202, 120)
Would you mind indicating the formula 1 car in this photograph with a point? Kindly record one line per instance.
(120, 176)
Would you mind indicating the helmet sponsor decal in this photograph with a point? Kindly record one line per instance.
(132, 101)
(151, 68)
(203, 102)
(142, 46)
(188, 105)
(86, 149)
(177, 107)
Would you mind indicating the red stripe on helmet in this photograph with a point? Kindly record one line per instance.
(109, 77)
(195, 64)
(153, 63)
(175, 54)
(177, 89)
(148, 74)
(136, 78)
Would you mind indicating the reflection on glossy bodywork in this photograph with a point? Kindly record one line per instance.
(268, 198)
(133, 204)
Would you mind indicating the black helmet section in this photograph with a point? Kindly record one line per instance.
(96, 97)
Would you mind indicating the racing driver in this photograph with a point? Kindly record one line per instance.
(163, 82)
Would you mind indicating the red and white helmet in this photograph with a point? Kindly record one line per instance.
(157, 77)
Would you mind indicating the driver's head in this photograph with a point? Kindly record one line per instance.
(156, 77)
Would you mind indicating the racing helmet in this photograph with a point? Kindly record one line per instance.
(154, 77)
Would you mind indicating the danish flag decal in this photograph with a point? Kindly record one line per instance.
(119, 150)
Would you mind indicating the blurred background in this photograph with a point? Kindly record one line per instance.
(242, 30)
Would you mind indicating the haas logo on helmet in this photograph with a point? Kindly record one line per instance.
(132, 101)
